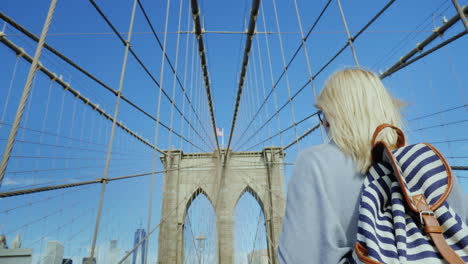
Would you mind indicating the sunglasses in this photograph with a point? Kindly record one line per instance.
(320, 116)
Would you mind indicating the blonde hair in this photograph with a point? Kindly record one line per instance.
(355, 102)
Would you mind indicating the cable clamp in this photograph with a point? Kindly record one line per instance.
(20, 52)
(418, 47)
(2, 34)
(437, 31)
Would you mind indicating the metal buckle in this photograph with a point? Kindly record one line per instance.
(424, 212)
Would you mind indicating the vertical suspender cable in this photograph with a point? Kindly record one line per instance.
(309, 68)
(272, 91)
(26, 91)
(350, 39)
(285, 66)
(156, 132)
(461, 14)
(111, 139)
(7, 99)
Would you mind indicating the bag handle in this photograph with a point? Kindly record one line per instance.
(401, 136)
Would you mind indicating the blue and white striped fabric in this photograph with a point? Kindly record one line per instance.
(389, 229)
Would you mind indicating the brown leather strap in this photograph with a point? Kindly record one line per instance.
(362, 254)
(433, 228)
(401, 136)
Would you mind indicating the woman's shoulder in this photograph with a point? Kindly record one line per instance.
(326, 152)
(326, 162)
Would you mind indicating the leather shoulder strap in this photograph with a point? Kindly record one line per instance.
(434, 230)
(401, 136)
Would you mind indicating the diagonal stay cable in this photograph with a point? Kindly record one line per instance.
(334, 57)
(201, 50)
(302, 137)
(95, 181)
(109, 23)
(439, 112)
(245, 62)
(439, 125)
(403, 61)
(164, 218)
(424, 54)
(303, 41)
(75, 93)
(282, 131)
(170, 64)
(82, 70)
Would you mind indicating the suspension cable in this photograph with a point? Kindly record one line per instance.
(302, 136)
(140, 62)
(332, 59)
(303, 41)
(245, 62)
(201, 50)
(98, 180)
(403, 61)
(173, 69)
(284, 130)
(82, 70)
(76, 93)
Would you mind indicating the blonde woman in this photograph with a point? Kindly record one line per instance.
(322, 207)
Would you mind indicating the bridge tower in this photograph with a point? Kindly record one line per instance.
(188, 175)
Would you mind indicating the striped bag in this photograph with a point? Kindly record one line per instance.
(403, 214)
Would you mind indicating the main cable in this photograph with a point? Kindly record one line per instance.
(245, 62)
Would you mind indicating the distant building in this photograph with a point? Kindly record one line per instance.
(54, 253)
(114, 252)
(139, 254)
(258, 257)
(16, 256)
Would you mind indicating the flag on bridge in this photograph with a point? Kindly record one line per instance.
(220, 133)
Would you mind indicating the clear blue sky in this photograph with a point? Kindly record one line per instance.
(430, 85)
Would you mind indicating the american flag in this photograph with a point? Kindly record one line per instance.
(219, 132)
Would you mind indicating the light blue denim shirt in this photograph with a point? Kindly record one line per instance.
(320, 223)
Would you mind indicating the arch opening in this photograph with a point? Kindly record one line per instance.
(250, 236)
(200, 233)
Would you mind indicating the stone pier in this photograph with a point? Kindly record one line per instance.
(188, 175)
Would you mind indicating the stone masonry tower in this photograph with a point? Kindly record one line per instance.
(188, 175)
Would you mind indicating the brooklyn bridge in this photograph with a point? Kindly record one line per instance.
(138, 131)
